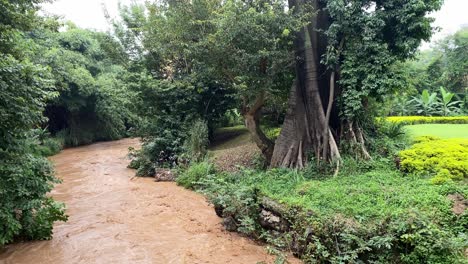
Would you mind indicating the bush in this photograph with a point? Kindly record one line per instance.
(234, 201)
(444, 158)
(50, 146)
(196, 145)
(25, 210)
(144, 166)
(190, 177)
(385, 139)
(413, 120)
(393, 130)
(25, 176)
(42, 143)
(168, 109)
(272, 132)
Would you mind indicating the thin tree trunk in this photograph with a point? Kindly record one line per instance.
(355, 135)
(361, 142)
(331, 95)
(327, 132)
(252, 122)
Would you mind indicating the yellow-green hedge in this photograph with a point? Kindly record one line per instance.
(413, 120)
(447, 159)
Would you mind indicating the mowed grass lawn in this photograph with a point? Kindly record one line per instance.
(438, 130)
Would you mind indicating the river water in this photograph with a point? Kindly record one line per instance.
(117, 218)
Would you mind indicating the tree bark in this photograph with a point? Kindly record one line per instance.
(353, 134)
(327, 133)
(305, 122)
(252, 122)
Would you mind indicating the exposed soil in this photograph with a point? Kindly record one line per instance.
(233, 148)
(117, 218)
(459, 203)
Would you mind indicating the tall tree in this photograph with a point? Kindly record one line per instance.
(229, 51)
(251, 50)
(344, 57)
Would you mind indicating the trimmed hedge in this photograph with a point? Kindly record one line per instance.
(414, 120)
(447, 159)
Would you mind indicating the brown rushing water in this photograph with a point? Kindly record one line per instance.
(116, 218)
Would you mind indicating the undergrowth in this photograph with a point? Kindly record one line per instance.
(369, 213)
(190, 177)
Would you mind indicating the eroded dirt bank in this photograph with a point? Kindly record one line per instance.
(115, 218)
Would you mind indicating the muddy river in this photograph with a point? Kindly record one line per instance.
(117, 218)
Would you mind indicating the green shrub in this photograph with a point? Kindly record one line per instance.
(190, 177)
(273, 132)
(231, 118)
(413, 120)
(25, 176)
(393, 130)
(93, 102)
(444, 158)
(50, 146)
(140, 161)
(238, 201)
(25, 210)
(42, 143)
(168, 110)
(196, 145)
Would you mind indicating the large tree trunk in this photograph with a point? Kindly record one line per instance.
(252, 122)
(305, 129)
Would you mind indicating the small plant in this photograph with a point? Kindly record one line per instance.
(273, 132)
(393, 130)
(425, 103)
(42, 143)
(447, 106)
(191, 177)
(50, 146)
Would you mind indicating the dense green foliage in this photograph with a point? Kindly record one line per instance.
(368, 40)
(438, 104)
(446, 159)
(201, 60)
(25, 175)
(442, 67)
(168, 110)
(58, 88)
(94, 102)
